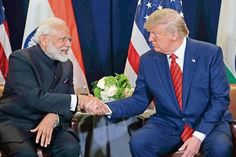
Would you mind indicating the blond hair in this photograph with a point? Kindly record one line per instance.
(169, 17)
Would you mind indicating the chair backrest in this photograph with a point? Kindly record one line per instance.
(1, 89)
(232, 105)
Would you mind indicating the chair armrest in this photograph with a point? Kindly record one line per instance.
(74, 124)
(233, 128)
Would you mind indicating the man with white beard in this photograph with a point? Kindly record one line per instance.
(38, 102)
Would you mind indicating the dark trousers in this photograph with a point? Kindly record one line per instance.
(154, 140)
(63, 144)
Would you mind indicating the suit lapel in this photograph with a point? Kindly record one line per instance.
(165, 78)
(190, 62)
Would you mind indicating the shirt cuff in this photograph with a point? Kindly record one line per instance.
(199, 135)
(73, 102)
(109, 112)
(58, 121)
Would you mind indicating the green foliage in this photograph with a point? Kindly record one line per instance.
(97, 92)
(111, 88)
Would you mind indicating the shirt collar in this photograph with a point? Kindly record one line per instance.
(51, 63)
(180, 51)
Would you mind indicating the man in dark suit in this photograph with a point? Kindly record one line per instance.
(186, 79)
(38, 100)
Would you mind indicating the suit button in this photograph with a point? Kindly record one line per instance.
(55, 77)
(50, 90)
(184, 119)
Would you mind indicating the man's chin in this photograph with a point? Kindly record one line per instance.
(157, 49)
(63, 60)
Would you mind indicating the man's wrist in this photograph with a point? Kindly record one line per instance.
(79, 105)
(201, 136)
(57, 122)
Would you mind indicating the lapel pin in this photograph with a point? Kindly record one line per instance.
(65, 81)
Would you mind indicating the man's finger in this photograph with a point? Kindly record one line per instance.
(43, 137)
(38, 136)
(48, 139)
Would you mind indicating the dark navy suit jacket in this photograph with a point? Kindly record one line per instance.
(205, 90)
(35, 85)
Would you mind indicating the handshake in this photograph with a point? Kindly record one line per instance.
(92, 105)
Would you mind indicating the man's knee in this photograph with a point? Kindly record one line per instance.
(69, 148)
(20, 150)
(219, 149)
(222, 150)
(72, 149)
(137, 143)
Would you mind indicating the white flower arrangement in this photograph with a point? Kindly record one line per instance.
(110, 88)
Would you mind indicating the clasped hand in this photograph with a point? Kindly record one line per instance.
(92, 105)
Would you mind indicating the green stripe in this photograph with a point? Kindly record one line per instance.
(230, 76)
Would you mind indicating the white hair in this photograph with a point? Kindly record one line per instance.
(47, 26)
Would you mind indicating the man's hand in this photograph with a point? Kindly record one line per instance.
(92, 105)
(45, 128)
(191, 147)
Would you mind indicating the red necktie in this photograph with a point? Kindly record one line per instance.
(177, 77)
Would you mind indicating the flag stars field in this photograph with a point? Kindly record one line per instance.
(149, 5)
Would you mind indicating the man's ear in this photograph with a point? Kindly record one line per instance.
(175, 35)
(43, 40)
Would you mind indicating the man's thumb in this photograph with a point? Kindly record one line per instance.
(183, 147)
(34, 130)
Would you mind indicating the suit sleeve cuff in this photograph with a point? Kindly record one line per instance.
(199, 135)
(73, 103)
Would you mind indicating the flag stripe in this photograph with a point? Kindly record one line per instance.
(5, 47)
(226, 36)
(133, 58)
(34, 19)
(4, 39)
(138, 40)
(130, 73)
(3, 62)
(137, 47)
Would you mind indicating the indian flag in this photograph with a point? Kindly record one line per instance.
(226, 36)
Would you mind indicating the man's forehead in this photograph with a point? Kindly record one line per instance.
(157, 27)
(60, 30)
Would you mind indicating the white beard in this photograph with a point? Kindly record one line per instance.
(55, 53)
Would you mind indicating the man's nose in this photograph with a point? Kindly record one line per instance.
(150, 39)
(68, 43)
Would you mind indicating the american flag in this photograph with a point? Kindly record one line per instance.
(139, 39)
(5, 47)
